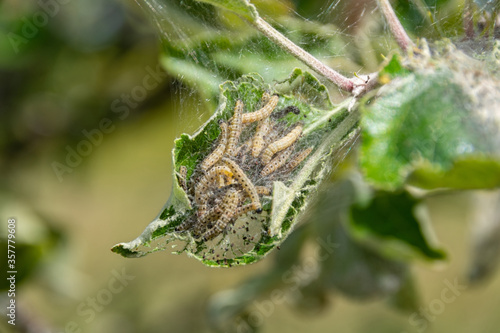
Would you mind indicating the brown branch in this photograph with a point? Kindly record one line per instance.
(341, 81)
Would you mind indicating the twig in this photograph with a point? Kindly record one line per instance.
(341, 81)
(429, 17)
(397, 29)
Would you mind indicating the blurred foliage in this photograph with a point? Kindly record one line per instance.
(430, 125)
(442, 132)
(96, 43)
(390, 220)
(361, 236)
(317, 262)
(60, 74)
(34, 241)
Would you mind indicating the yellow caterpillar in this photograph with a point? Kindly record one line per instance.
(258, 139)
(216, 155)
(296, 159)
(262, 113)
(281, 144)
(234, 129)
(230, 204)
(277, 162)
(242, 178)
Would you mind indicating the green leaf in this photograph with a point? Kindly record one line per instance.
(434, 126)
(390, 224)
(241, 7)
(325, 127)
(393, 69)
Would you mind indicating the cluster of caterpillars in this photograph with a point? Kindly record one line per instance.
(228, 182)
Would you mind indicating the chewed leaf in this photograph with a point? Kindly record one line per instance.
(234, 197)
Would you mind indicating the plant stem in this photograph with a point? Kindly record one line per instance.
(397, 29)
(341, 81)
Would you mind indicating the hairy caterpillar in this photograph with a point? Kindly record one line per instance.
(262, 113)
(216, 155)
(242, 178)
(234, 129)
(296, 159)
(277, 161)
(281, 144)
(231, 201)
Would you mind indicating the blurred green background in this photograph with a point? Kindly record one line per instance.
(80, 68)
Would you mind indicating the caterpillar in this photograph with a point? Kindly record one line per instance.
(182, 177)
(231, 201)
(201, 191)
(265, 97)
(243, 149)
(216, 155)
(263, 190)
(263, 128)
(277, 162)
(234, 129)
(211, 176)
(223, 186)
(187, 224)
(208, 217)
(262, 113)
(242, 178)
(297, 158)
(281, 144)
(244, 209)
